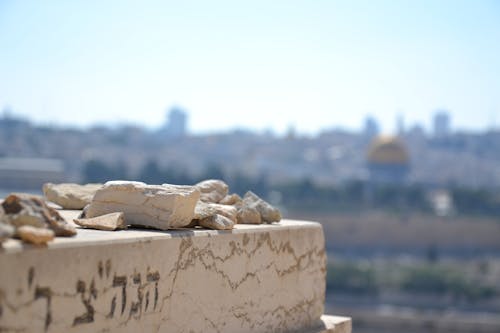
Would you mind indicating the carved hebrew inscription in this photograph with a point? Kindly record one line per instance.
(124, 295)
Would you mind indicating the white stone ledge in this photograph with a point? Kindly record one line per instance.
(255, 278)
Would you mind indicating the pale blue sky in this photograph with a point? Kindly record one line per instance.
(257, 64)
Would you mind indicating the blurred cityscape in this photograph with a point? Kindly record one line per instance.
(411, 219)
(440, 158)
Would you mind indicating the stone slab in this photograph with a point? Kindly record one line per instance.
(254, 278)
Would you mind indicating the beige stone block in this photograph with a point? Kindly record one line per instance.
(158, 206)
(254, 278)
(70, 195)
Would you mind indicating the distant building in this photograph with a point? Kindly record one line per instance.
(400, 124)
(441, 124)
(371, 128)
(30, 173)
(176, 124)
(8, 121)
(388, 161)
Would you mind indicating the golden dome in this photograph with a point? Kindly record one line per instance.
(387, 150)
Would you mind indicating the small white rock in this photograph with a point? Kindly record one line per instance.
(108, 222)
(267, 212)
(248, 215)
(231, 199)
(205, 209)
(217, 222)
(35, 235)
(212, 190)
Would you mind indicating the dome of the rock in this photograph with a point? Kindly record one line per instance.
(388, 160)
(387, 150)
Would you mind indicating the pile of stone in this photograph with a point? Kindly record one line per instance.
(29, 218)
(208, 204)
(116, 205)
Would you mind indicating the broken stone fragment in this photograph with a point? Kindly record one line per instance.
(23, 209)
(267, 212)
(6, 231)
(205, 209)
(212, 190)
(35, 235)
(248, 215)
(108, 222)
(70, 195)
(83, 213)
(217, 222)
(159, 206)
(231, 199)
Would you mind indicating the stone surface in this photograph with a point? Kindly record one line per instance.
(157, 206)
(254, 278)
(70, 195)
(109, 222)
(231, 199)
(26, 209)
(6, 231)
(34, 235)
(212, 190)
(217, 222)
(248, 215)
(204, 210)
(267, 212)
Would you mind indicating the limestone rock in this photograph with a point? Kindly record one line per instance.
(158, 206)
(35, 235)
(6, 231)
(231, 199)
(83, 213)
(212, 190)
(25, 209)
(217, 222)
(109, 222)
(204, 210)
(267, 212)
(70, 195)
(248, 215)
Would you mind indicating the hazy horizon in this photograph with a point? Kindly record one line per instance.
(255, 65)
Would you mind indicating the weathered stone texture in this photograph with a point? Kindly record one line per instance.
(25, 209)
(248, 215)
(267, 212)
(212, 190)
(69, 195)
(108, 222)
(217, 222)
(33, 235)
(6, 231)
(231, 199)
(158, 206)
(204, 210)
(255, 278)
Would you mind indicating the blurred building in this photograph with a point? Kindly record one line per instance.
(400, 124)
(388, 160)
(30, 173)
(371, 128)
(441, 124)
(176, 124)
